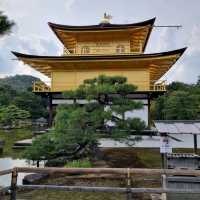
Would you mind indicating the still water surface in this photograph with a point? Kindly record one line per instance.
(11, 157)
(8, 163)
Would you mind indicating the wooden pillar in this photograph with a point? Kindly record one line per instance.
(164, 186)
(13, 186)
(164, 160)
(163, 153)
(50, 110)
(195, 143)
(38, 163)
(149, 105)
(128, 193)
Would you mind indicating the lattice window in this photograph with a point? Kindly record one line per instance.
(120, 49)
(85, 50)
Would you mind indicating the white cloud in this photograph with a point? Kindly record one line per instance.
(32, 35)
(194, 40)
(21, 68)
(69, 4)
(4, 75)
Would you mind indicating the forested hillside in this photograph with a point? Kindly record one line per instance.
(19, 82)
(17, 100)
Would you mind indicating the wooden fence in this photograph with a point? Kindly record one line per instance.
(127, 172)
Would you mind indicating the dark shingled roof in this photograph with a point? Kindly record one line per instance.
(102, 26)
(178, 126)
(102, 56)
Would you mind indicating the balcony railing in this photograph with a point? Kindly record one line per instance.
(158, 87)
(40, 86)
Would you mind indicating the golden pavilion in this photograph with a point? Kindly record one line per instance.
(110, 49)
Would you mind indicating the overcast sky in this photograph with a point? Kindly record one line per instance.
(32, 35)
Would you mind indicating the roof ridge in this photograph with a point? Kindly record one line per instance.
(107, 25)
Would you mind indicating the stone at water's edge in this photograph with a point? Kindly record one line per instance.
(33, 178)
(22, 144)
(1, 146)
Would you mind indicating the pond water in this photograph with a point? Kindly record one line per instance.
(8, 163)
(11, 157)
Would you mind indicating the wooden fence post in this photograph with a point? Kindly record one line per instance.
(129, 194)
(195, 144)
(164, 186)
(13, 184)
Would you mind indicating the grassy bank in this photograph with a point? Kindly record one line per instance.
(10, 137)
(101, 182)
(137, 157)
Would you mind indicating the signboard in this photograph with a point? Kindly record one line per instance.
(165, 146)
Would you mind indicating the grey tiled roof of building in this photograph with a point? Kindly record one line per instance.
(178, 126)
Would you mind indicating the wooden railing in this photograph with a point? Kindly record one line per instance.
(127, 172)
(158, 87)
(40, 86)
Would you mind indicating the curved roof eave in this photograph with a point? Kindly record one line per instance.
(100, 56)
(102, 26)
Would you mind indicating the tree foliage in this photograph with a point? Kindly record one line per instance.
(198, 81)
(102, 114)
(181, 102)
(7, 93)
(15, 91)
(19, 82)
(5, 24)
(32, 103)
(12, 115)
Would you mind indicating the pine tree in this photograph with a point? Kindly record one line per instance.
(5, 24)
(78, 127)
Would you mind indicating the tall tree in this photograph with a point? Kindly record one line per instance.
(14, 90)
(181, 105)
(178, 105)
(5, 24)
(11, 115)
(7, 94)
(102, 114)
(32, 103)
(198, 81)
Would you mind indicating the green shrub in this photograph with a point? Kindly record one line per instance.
(79, 164)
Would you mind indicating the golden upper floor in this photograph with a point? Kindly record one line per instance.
(104, 38)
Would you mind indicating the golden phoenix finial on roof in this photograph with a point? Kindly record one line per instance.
(106, 18)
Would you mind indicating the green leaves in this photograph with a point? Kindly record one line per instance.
(181, 106)
(110, 107)
(92, 88)
(125, 89)
(5, 24)
(12, 115)
(14, 90)
(78, 127)
(110, 80)
(182, 102)
(43, 148)
(32, 103)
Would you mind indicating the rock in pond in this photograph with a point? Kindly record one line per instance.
(34, 178)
